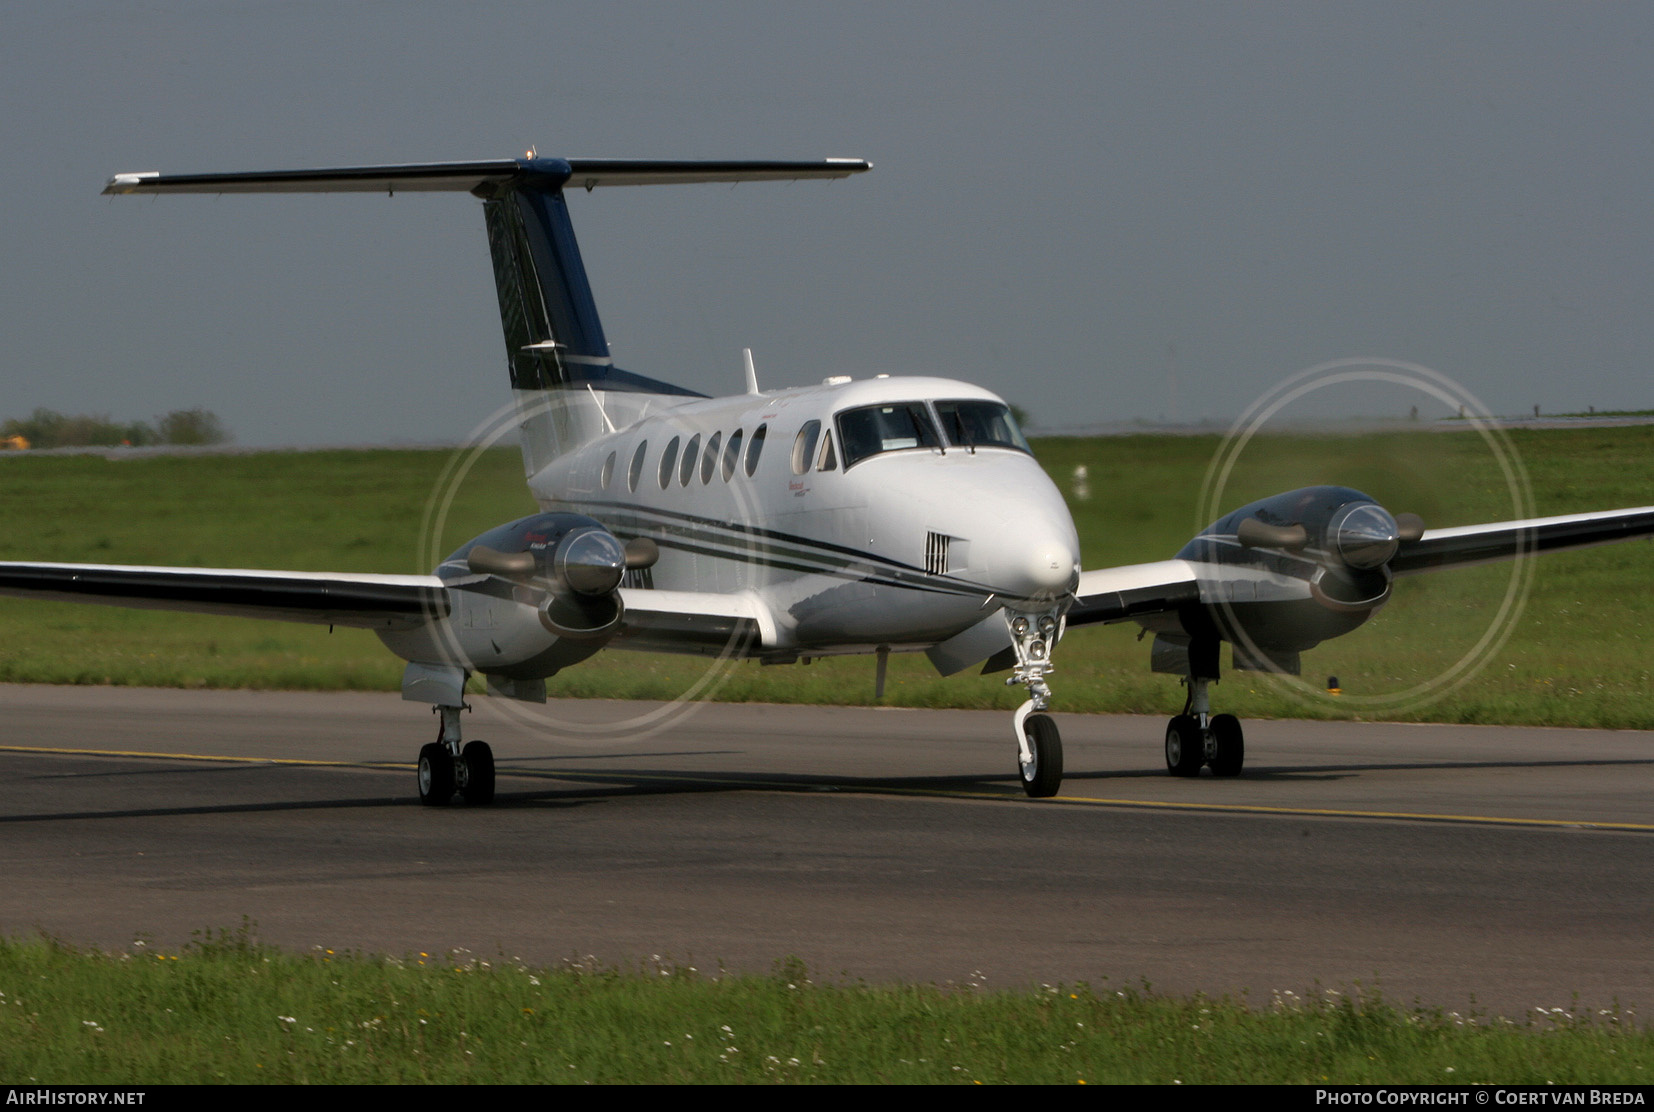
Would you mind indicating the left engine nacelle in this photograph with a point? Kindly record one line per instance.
(1291, 571)
(528, 598)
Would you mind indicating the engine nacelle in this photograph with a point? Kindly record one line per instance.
(1296, 569)
(528, 598)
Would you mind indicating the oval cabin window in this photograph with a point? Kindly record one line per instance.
(732, 454)
(691, 453)
(668, 459)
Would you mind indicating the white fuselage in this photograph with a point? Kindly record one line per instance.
(907, 546)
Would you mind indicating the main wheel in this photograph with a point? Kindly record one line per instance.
(1185, 748)
(479, 773)
(1042, 772)
(1231, 746)
(436, 775)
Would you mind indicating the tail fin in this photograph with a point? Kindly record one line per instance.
(554, 339)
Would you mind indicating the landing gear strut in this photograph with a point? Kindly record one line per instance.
(1197, 737)
(444, 767)
(1039, 745)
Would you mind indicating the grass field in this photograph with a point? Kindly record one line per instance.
(1580, 653)
(228, 1010)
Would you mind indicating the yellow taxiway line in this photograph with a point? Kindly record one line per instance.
(726, 781)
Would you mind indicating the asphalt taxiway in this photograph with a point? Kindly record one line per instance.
(1490, 867)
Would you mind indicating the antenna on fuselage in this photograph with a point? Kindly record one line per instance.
(752, 371)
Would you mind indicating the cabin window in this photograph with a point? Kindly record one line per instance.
(709, 462)
(804, 446)
(756, 448)
(971, 423)
(668, 459)
(829, 461)
(691, 454)
(636, 470)
(732, 454)
(608, 472)
(885, 428)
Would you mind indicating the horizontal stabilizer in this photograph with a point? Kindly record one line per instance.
(321, 598)
(485, 175)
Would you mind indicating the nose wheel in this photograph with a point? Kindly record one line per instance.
(1039, 759)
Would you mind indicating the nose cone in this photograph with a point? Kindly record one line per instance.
(1366, 536)
(592, 562)
(1033, 564)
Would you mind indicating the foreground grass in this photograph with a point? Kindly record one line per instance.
(1578, 655)
(228, 1009)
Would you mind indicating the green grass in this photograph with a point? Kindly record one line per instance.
(227, 1009)
(1579, 655)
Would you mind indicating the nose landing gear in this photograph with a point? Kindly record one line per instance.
(1039, 745)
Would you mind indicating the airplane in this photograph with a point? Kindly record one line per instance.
(869, 515)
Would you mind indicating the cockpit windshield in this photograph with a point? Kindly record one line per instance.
(967, 423)
(971, 423)
(885, 428)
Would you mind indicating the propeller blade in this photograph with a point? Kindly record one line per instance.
(1255, 534)
(511, 565)
(641, 552)
(1412, 527)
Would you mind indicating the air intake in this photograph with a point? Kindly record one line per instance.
(936, 553)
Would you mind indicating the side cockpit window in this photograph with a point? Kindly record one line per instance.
(804, 446)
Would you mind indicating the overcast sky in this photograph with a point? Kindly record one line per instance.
(1069, 201)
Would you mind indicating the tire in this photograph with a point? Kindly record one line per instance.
(479, 774)
(1185, 748)
(436, 775)
(1231, 746)
(1042, 777)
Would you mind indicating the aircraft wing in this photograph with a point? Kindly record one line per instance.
(700, 622)
(322, 598)
(1503, 540)
(1118, 594)
(1135, 590)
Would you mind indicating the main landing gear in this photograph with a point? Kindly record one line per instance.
(1197, 737)
(1039, 745)
(444, 767)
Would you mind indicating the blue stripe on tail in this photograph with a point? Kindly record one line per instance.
(554, 338)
